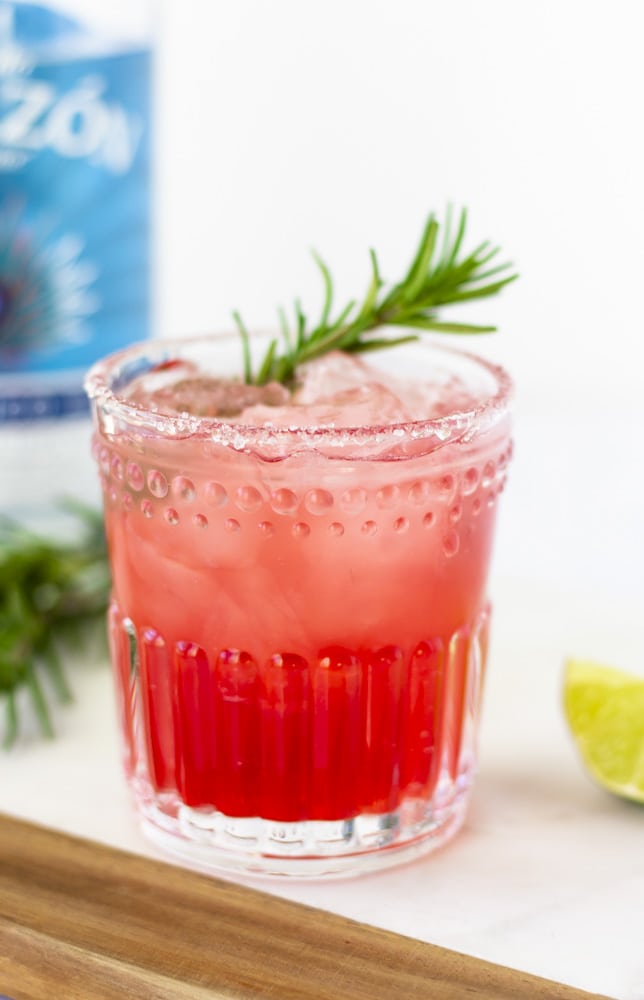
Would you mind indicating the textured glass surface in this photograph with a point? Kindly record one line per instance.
(299, 634)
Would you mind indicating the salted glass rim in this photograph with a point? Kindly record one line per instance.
(100, 379)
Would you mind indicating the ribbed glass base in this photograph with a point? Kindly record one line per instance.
(209, 841)
(347, 761)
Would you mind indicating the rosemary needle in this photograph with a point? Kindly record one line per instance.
(439, 275)
(51, 592)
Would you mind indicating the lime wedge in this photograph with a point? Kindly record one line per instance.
(605, 711)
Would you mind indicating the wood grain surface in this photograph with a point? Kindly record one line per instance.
(80, 921)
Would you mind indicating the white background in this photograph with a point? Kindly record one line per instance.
(339, 125)
(284, 125)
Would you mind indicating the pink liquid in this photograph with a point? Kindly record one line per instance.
(301, 639)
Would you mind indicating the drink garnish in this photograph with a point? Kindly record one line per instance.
(440, 275)
(50, 592)
(604, 709)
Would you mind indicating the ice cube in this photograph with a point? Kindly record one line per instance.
(201, 395)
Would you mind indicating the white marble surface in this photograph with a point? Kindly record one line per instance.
(548, 874)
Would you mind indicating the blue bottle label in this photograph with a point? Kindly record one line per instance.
(74, 207)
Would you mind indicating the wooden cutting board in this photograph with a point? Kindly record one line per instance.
(79, 921)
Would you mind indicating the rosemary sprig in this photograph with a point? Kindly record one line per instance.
(50, 593)
(438, 276)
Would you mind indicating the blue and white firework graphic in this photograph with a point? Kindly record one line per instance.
(47, 289)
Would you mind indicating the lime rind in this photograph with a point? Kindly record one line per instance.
(604, 709)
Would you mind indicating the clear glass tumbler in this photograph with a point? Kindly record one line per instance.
(299, 621)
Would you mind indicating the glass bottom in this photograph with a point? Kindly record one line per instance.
(209, 841)
(346, 761)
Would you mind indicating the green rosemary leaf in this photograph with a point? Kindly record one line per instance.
(328, 290)
(346, 312)
(491, 271)
(423, 254)
(432, 281)
(378, 343)
(436, 326)
(286, 333)
(51, 660)
(446, 242)
(39, 702)
(450, 257)
(482, 249)
(283, 370)
(264, 372)
(323, 344)
(245, 339)
(483, 291)
(417, 279)
(374, 287)
(11, 720)
(300, 319)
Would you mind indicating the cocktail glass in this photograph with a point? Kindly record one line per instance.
(299, 622)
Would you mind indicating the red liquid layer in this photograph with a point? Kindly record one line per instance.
(327, 737)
